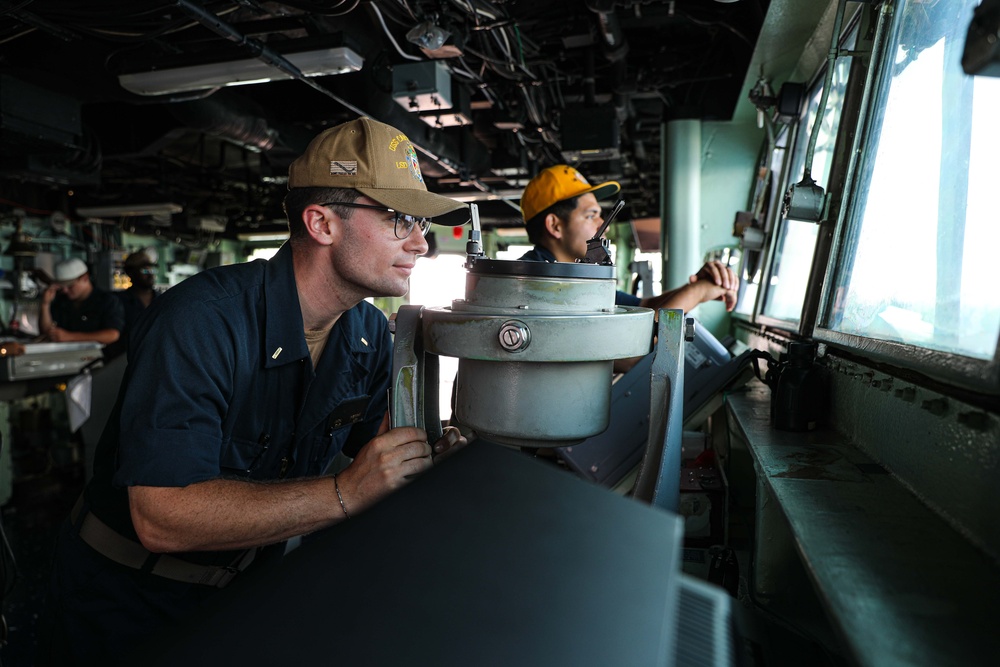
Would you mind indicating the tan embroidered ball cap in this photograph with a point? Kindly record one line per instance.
(378, 161)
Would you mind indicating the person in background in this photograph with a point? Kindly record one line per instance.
(140, 267)
(561, 213)
(243, 383)
(73, 309)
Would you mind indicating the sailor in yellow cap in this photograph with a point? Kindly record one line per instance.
(562, 212)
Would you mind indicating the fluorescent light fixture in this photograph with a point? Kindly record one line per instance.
(510, 232)
(320, 62)
(479, 196)
(496, 195)
(128, 210)
(263, 236)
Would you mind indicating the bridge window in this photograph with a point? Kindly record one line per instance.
(917, 263)
(795, 241)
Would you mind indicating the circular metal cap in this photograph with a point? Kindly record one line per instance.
(514, 336)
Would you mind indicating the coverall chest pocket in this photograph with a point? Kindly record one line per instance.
(336, 429)
(250, 456)
(257, 437)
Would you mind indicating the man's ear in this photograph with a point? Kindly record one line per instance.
(553, 225)
(321, 223)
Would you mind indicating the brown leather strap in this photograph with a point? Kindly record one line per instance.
(105, 541)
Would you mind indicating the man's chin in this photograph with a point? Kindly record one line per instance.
(393, 293)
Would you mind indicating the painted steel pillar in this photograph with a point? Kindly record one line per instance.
(680, 201)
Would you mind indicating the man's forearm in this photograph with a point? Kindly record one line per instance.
(685, 297)
(44, 318)
(104, 336)
(219, 515)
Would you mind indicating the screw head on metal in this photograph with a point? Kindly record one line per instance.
(514, 336)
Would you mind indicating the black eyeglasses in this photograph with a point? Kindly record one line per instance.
(404, 222)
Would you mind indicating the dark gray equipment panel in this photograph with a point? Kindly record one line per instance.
(708, 368)
(490, 558)
(607, 457)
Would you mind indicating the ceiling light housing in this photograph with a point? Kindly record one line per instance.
(166, 80)
(129, 210)
(422, 86)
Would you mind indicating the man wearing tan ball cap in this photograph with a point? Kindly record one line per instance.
(379, 162)
(243, 383)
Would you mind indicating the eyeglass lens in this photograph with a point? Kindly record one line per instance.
(405, 223)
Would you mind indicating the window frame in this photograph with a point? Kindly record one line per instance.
(786, 133)
(804, 325)
(968, 373)
(797, 134)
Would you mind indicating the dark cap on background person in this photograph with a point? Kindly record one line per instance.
(557, 184)
(378, 161)
(138, 260)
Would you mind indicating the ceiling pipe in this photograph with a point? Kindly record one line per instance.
(589, 82)
(267, 55)
(615, 49)
(227, 117)
(613, 42)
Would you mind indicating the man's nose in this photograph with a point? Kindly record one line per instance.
(416, 243)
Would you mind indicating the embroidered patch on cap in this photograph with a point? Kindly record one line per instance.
(413, 164)
(344, 167)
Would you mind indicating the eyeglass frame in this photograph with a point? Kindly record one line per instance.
(414, 220)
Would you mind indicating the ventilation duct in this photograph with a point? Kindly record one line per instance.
(228, 117)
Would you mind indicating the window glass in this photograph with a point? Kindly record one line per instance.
(436, 282)
(655, 261)
(796, 241)
(917, 264)
(262, 253)
(513, 252)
